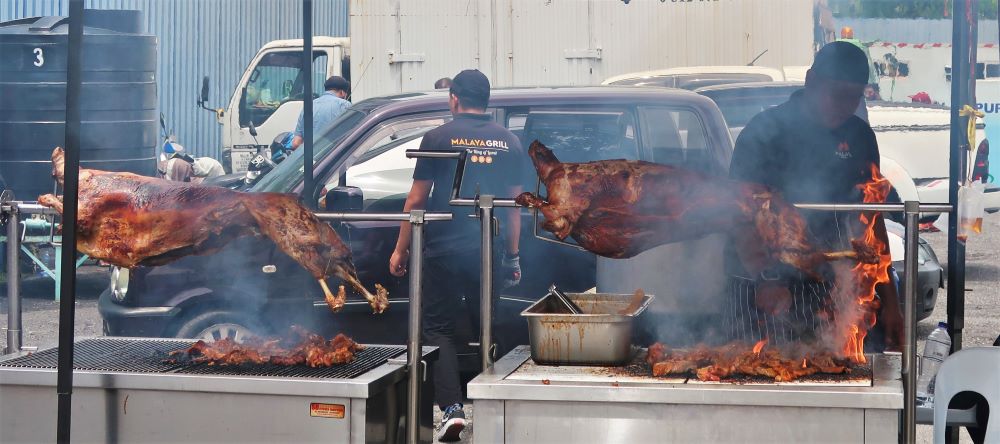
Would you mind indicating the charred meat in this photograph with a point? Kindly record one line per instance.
(312, 350)
(128, 220)
(738, 359)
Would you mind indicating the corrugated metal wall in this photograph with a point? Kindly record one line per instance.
(216, 38)
(914, 31)
(555, 42)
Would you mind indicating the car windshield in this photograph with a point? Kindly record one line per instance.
(739, 105)
(290, 172)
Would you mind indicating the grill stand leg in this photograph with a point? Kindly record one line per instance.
(912, 212)
(13, 281)
(413, 351)
(485, 209)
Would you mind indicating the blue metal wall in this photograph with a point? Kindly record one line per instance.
(216, 38)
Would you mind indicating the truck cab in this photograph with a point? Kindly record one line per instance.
(269, 95)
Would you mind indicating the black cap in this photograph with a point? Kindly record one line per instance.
(337, 82)
(843, 61)
(472, 86)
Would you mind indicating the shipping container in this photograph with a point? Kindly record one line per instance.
(405, 45)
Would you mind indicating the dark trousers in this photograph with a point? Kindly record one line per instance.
(451, 293)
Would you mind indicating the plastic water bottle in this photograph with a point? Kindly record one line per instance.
(937, 347)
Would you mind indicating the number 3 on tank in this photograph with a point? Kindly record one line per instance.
(39, 57)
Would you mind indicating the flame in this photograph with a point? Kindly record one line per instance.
(759, 346)
(804, 363)
(868, 274)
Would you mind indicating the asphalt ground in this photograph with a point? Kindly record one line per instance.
(982, 301)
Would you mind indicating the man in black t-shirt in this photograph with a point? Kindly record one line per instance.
(451, 251)
(811, 149)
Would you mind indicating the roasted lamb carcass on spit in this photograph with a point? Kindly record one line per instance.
(128, 220)
(620, 208)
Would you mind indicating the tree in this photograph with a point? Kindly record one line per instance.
(905, 9)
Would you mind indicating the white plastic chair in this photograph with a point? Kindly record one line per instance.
(974, 369)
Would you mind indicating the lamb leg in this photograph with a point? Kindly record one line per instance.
(51, 201)
(334, 302)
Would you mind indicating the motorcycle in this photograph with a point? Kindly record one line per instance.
(174, 163)
(262, 163)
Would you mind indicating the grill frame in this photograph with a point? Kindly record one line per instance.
(122, 355)
(192, 377)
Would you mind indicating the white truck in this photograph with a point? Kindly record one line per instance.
(402, 46)
(269, 95)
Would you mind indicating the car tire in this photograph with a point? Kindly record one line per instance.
(219, 324)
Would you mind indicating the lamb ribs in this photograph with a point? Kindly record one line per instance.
(129, 220)
(311, 349)
(620, 208)
(738, 359)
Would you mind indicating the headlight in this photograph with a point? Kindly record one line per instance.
(119, 283)
(922, 256)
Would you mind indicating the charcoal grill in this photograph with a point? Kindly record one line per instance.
(128, 390)
(527, 403)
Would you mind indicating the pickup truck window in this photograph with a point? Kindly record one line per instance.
(675, 137)
(289, 173)
(379, 166)
(579, 134)
(275, 80)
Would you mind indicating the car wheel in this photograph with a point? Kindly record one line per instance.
(215, 325)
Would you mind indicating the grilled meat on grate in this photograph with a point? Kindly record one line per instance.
(620, 208)
(128, 220)
(312, 350)
(736, 359)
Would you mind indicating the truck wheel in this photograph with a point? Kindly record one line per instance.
(215, 325)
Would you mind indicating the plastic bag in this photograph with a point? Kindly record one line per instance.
(970, 211)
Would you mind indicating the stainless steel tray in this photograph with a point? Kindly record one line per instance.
(599, 336)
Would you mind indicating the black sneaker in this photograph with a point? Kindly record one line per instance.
(452, 423)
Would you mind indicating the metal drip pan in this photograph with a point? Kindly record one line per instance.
(601, 335)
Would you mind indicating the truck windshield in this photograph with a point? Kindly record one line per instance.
(290, 172)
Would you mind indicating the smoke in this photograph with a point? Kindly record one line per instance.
(843, 308)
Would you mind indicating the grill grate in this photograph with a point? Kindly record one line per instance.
(148, 356)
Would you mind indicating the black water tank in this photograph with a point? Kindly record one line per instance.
(119, 131)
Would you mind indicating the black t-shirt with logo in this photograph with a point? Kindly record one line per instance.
(495, 161)
(787, 150)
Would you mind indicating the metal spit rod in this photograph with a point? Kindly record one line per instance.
(912, 210)
(417, 219)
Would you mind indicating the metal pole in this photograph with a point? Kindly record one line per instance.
(486, 281)
(71, 183)
(369, 217)
(943, 208)
(962, 75)
(413, 344)
(307, 104)
(912, 213)
(13, 283)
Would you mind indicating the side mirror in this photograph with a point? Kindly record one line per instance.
(344, 198)
(204, 89)
(253, 129)
(163, 124)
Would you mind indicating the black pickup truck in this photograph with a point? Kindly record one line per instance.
(251, 287)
